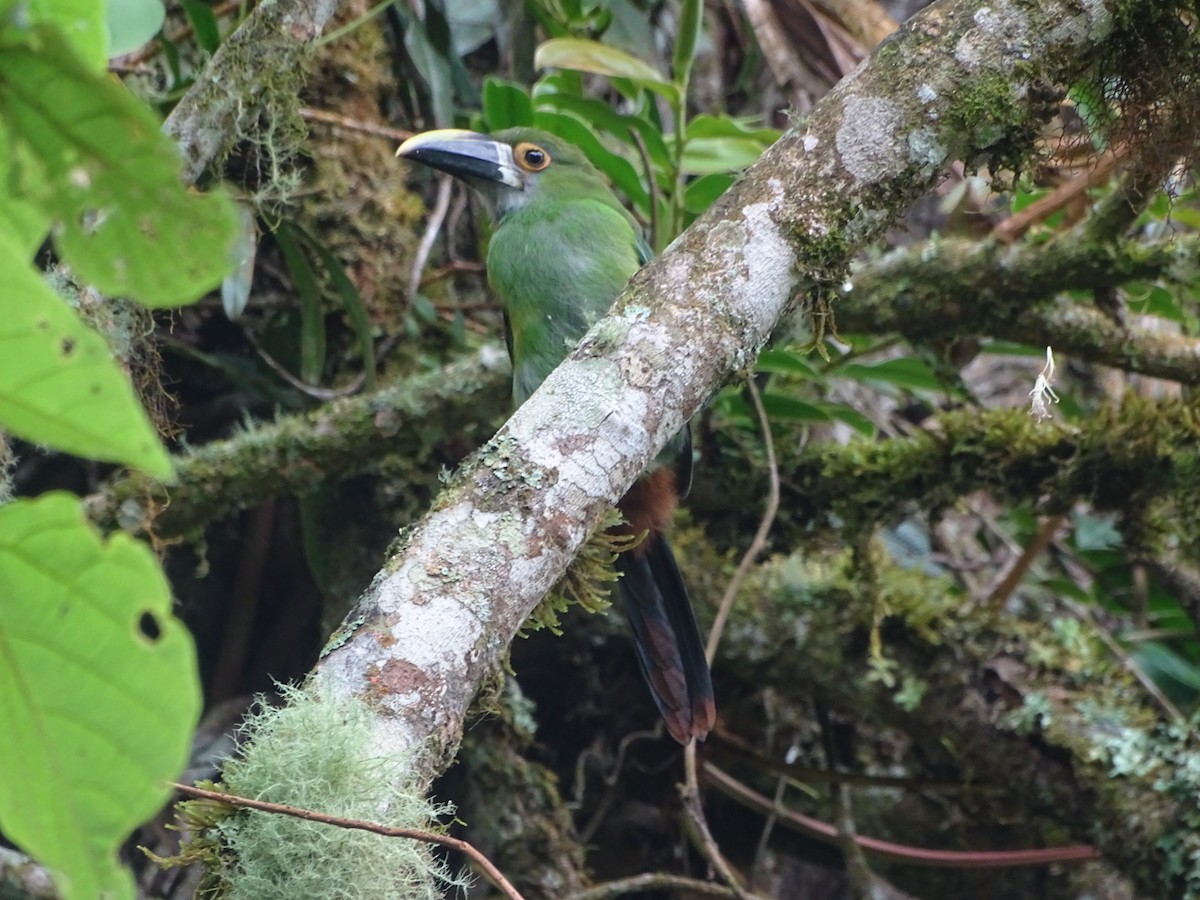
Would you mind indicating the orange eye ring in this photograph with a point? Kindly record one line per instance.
(531, 157)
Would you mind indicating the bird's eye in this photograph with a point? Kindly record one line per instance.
(531, 157)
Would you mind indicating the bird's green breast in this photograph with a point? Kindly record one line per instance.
(557, 266)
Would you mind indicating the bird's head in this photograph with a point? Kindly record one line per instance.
(509, 168)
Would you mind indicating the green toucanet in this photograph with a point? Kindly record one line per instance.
(562, 249)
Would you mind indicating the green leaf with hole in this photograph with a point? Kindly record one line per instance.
(97, 162)
(98, 692)
(59, 384)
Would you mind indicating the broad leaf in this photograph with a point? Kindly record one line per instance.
(24, 223)
(702, 192)
(505, 105)
(98, 164)
(82, 22)
(59, 385)
(131, 23)
(600, 115)
(582, 55)
(98, 692)
(906, 372)
(706, 126)
(708, 156)
(786, 362)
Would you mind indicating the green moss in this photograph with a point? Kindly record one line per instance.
(588, 582)
(264, 856)
(990, 120)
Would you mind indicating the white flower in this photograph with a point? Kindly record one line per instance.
(1042, 389)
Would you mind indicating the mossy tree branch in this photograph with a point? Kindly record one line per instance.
(1119, 460)
(414, 419)
(950, 288)
(256, 70)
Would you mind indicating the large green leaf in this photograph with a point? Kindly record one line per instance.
(786, 362)
(23, 221)
(581, 55)
(59, 385)
(82, 22)
(109, 177)
(98, 692)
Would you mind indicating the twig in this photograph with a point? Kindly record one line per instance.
(999, 595)
(760, 536)
(494, 875)
(916, 856)
(610, 780)
(690, 791)
(452, 268)
(764, 838)
(352, 387)
(1085, 615)
(750, 753)
(858, 873)
(1017, 224)
(651, 182)
(653, 882)
(396, 135)
(433, 227)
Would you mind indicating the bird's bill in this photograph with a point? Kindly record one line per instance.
(463, 154)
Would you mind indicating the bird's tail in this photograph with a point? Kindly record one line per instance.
(669, 648)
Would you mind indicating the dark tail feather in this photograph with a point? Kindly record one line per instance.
(667, 639)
